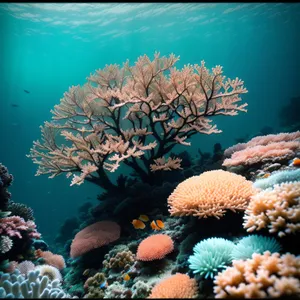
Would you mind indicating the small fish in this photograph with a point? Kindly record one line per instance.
(27, 92)
(103, 285)
(138, 224)
(157, 225)
(144, 218)
(14, 105)
(126, 277)
(266, 175)
(296, 162)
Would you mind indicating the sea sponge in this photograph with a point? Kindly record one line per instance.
(210, 194)
(178, 286)
(210, 256)
(94, 236)
(51, 272)
(154, 247)
(277, 208)
(254, 244)
(264, 275)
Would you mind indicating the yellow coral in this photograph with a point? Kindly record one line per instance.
(278, 209)
(265, 275)
(210, 194)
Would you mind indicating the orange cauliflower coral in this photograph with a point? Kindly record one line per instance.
(154, 247)
(265, 275)
(278, 209)
(178, 286)
(210, 194)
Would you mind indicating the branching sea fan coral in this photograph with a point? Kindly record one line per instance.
(133, 115)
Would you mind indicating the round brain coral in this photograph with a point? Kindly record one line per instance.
(210, 194)
(154, 247)
(178, 286)
(94, 236)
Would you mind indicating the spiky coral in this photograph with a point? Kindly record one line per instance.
(254, 244)
(21, 210)
(263, 276)
(5, 244)
(277, 208)
(134, 116)
(210, 256)
(210, 194)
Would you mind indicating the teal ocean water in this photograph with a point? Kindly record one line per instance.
(46, 48)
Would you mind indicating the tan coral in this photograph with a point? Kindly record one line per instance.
(210, 194)
(277, 209)
(178, 286)
(121, 260)
(265, 275)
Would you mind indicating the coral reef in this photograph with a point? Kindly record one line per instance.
(51, 272)
(278, 209)
(263, 276)
(210, 194)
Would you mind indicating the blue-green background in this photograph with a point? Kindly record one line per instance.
(45, 48)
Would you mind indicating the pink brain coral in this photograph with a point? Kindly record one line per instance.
(210, 194)
(154, 247)
(178, 286)
(94, 236)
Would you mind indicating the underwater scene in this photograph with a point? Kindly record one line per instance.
(150, 150)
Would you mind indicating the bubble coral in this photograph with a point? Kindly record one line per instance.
(210, 194)
(178, 286)
(154, 247)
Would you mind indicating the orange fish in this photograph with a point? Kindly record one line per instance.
(126, 277)
(296, 161)
(266, 175)
(144, 218)
(158, 225)
(137, 224)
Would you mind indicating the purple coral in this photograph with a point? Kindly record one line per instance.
(13, 226)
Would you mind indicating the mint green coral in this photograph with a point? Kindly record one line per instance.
(14, 285)
(254, 244)
(210, 256)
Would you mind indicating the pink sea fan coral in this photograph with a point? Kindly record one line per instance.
(15, 225)
(270, 147)
(94, 236)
